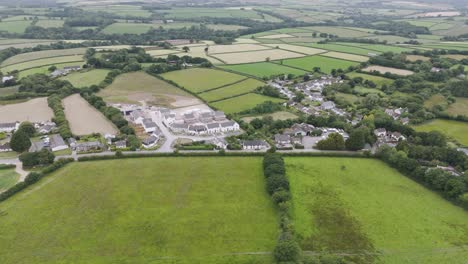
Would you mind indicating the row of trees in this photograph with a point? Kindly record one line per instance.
(55, 103)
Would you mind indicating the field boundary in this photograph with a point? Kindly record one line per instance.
(58, 56)
(48, 65)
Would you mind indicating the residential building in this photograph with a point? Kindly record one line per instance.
(121, 144)
(5, 147)
(9, 127)
(88, 146)
(150, 141)
(254, 144)
(57, 143)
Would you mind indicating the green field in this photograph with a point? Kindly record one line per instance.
(340, 48)
(456, 130)
(49, 23)
(380, 47)
(263, 69)
(434, 100)
(181, 13)
(375, 79)
(243, 102)
(351, 206)
(86, 79)
(128, 28)
(15, 26)
(35, 55)
(154, 210)
(340, 31)
(243, 87)
(78, 59)
(460, 107)
(8, 178)
(200, 79)
(326, 64)
(45, 69)
(8, 90)
(121, 10)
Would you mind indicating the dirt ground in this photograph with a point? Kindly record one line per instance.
(85, 119)
(35, 110)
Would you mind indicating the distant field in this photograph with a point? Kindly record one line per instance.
(282, 115)
(342, 48)
(414, 58)
(454, 129)
(45, 69)
(256, 56)
(84, 119)
(129, 28)
(49, 23)
(138, 86)
(263, 69)
(8, 178)
(352, 206)
(243, 87)
(241, 103)
(86, 79)
(43, 62)
(8, 90)
(380, 47)
(460, 107)
(325, 64)
(455, 56)
(200, 79)
(34, 110)
(436, 100)
(298, 49)
(384, 70)
(340, 31)
(346, 56)
(30, 56)
(364, 90)
(376, 79)
(235, 48)
(178, 13)
(192, 210)
(15, 26)
(121, 10)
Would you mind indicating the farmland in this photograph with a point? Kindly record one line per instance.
(256, 56)
(460, 107)
(78, 59)
(242, 103)
(15, 26)
(36, 55)
(45, 69)
(263, 69)
(88, 78)
(199, 79)
(128, 28)
(376, 79)
(34, 110)
(353, 205)
(453, 129)
(145, 212)
(325, 64)
(85, 119)
(8, 178)
(281, 115)
(384, 70)
(346, 56)
(242, 87)
(342, 48)
(139, 86)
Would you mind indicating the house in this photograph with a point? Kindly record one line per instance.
(229, 126)
(435, 69)
(206, 117)
(397, 136)
(5, 147)
(88, 146)
(282, 139)
(380, 132)
(213, 128)
(72, 68)
(220, 143)
(449, 169)
(150, 141)
(137, 116)
(37, 146)
(9, 127)
(109, 138)
(219, 116)
(149, 125)
(300, 129)
(57, 143)
(121, 144)
(198, 129)
(464, 150)
(405, 120)
(254, 144)
(58, 73)
(189, 118)
(179, 128)
(46, 128)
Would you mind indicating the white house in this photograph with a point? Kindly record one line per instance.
(254, 144)
(213, 128)
(149, 125)
(9, 127)
(229, 126)
(380, 132)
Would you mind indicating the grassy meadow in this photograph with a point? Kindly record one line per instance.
(8, 178)
(154, 210)
(88, 78)
(353, 206)
(456, 130)
(263, 69)
(239, 88)
(375, 79)
(243, 102)
(326, 64)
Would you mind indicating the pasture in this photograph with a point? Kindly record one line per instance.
(135, 87)
(354, 206)
(299, 49)
(87, 78)
(215, 49)
(383, 70)
(36, 55)
(15, 26)
(281, 115)
(78, 59)
(50, 23)
(8, 178)
(341, 48)
(85, 119)
(340, 31)
(190, 210)
(436, 100)
(375, 79)
(34, 110)
(239, 88)
(455, 130)
(460, 107)
(256, 56)
(243, 102)
(263, 69)
(120, 10)
(324, 63)
(128, 28)
(198, 80)
(346, 56)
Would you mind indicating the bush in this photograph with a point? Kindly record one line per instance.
(20, 141)
(287, 251)
(277, 182)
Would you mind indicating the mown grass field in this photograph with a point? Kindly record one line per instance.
(243, 87)
(154, 210)
(263, 69)
(460, 107)
(326, 64)
(351, 205)
(78, 59)
(243, 102)
(8, 178)
(15, 26)
(121, 10)
(341, 48)
(201, 79)
(45, 69)
(30, 56)
(456, 130)
(86, 79)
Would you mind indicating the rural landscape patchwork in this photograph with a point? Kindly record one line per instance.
(234, 132)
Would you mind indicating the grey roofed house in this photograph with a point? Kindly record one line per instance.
(228, 124)
(213, 125)
(279, 138)
(149, 140)
(37, 146)
(72, 68)
(206, 115)
(189, 116)
(121, 144)
(5, 147)
(7, 125)
(197, 128)
(219, 115)
(254, 144)
(148, 123)
(58, 73)
(327, 105)
(85, 146)
(56, 141)
(179, 126)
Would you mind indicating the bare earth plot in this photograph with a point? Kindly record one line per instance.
(256, 56)
(235, 48)
(299, 49)
(85, 119)
(346, 56)
(139, 86)
(277, 36)
(383, 70)
(35, 110)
